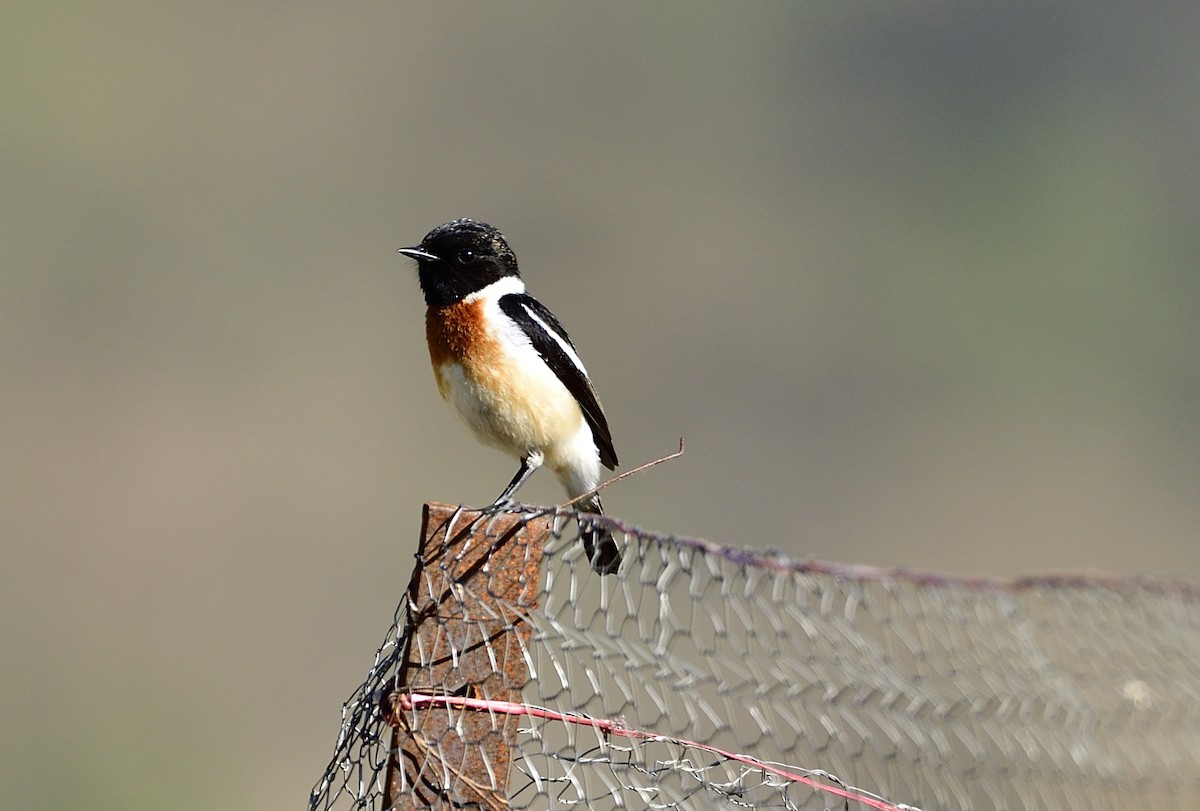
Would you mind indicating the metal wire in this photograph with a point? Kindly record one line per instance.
(685, 680)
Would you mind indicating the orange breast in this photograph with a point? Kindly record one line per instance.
(511, 400)
(455, 334)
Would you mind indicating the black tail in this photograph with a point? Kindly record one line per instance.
(598, 542)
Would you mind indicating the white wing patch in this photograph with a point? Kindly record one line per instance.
(566, 347)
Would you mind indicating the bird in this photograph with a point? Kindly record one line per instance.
(506, 366)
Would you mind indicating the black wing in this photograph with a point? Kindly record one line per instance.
(527, 311)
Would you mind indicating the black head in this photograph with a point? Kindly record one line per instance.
(456, 259)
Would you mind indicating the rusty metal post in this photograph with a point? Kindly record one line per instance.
(476, 580)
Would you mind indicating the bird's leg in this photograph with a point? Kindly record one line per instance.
(529, 463)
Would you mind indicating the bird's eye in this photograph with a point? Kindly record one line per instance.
(466, 257)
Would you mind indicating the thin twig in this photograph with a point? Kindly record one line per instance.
(618, 477)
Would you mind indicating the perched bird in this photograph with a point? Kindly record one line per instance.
(506, 365)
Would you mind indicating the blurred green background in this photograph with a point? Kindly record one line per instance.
(919, 283)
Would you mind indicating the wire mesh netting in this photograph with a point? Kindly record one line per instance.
(701, 676)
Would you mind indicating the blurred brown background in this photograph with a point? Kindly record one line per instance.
(919, 285)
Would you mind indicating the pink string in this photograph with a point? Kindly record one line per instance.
(410, 701)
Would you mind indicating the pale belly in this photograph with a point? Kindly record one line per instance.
(516, 413)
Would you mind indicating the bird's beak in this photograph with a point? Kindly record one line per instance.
(418, 254)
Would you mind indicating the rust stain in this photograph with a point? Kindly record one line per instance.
(476, 581)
